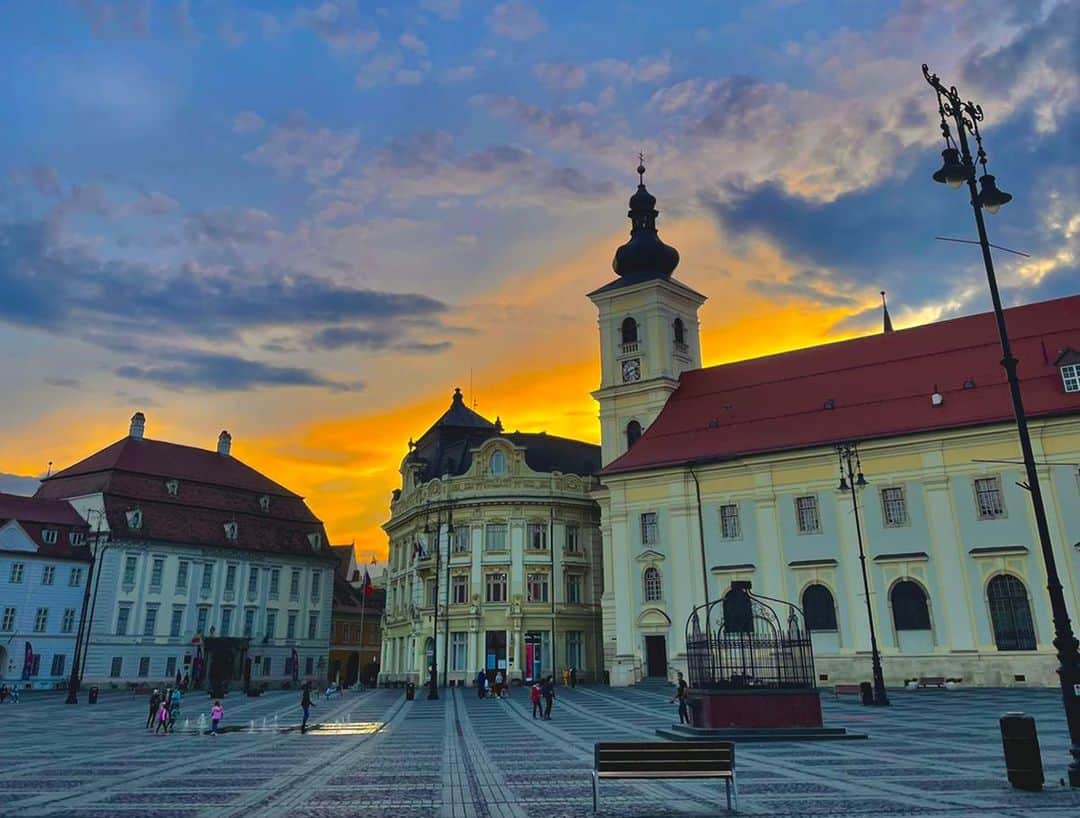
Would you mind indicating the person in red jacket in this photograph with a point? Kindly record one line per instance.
(534, 697)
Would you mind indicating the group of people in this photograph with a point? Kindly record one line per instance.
(542, 689)
(9, 693)
(487, 687)
(164, 710)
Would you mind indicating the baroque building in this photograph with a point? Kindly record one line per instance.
(495, 558)
(730, 472)
(204, 567)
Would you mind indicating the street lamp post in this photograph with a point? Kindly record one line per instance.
(433, 679)
(75, 680)
(848, 454)
(958, 168)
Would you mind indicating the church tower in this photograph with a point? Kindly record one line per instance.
(649, 330)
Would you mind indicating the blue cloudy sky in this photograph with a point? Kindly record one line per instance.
(307, 222)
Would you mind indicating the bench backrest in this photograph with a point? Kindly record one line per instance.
(664, 756)
(931, 680)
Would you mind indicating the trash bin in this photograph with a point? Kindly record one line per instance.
(410, 692)
(92, 696)
(867, 691)
(1023, 761)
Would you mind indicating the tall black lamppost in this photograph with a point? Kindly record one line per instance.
(94, 544)
(433, 678)
(852, 479)
(958, 168)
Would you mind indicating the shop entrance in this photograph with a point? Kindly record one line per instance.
(494, 652)
(656, 656)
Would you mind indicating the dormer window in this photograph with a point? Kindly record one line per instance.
(134, 518)
(316, 540)
(1068, 361)
(232, 531)
(264, 502)
(76, 537)
(49, 536)
(172, 487)
(498, 464)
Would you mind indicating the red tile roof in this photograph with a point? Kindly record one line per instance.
(34, 515)
(879, 386)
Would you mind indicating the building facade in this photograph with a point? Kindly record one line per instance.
(355, 624)
(495, 557)
(207, 569)
(44, 558)
(730, 473)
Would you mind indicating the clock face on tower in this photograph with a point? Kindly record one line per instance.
(631, 370)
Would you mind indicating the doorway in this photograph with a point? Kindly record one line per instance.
(656, 656)
(494, 652)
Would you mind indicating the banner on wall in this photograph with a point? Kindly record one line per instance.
(28, 661)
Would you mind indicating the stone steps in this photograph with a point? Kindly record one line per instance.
(681, 732)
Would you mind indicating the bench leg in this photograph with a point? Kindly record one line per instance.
(727, 792)
(735, 790)
(595, 789)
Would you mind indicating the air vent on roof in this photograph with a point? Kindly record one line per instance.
(830, 404)
(134, 518)
(232, 531)
(714, 423)
(728, 406)
(937, 399)
(969, 383)
(264, 502)
(172, 487)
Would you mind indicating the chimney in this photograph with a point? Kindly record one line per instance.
(224, 443)
(138, 426)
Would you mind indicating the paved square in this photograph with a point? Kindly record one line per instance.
(933, 753)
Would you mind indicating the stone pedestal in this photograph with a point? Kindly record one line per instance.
(717, 709)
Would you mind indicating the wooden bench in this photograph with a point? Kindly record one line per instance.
(930, 681)
(849, 689)
(666, 759)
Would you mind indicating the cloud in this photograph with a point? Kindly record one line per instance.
(805, 285)
(516, 20)
(339, 24)
(295, 149)
(563, 127)
(116, 17)
(378, 339)
(41, 179)
(208, 371)
(443, 9)
(230, 226)
(247, 122)
(153, 203)
(411, 42)
(65, 383)
(459, 73)
(645, 69)
(560, 76)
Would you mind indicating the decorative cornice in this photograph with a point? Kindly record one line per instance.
(730, 569)
(904, 556)
(823, 563)
(649, 555)
(1000, 550)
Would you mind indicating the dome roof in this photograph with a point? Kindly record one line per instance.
(645, 256)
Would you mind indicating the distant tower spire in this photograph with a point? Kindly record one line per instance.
(641, 168)
(887, 321)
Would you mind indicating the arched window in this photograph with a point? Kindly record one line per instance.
(819, 608)
(909, 608)
(1010, 613)
(629, 330)
(633, 433)
(680, 331)
(654, 587)
(498, 464)
(738, 612)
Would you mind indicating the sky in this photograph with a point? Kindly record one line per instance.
(308, 223)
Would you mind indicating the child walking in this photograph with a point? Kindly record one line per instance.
(216, 714)
(162, 718)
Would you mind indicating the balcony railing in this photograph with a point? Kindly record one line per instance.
(629, 348)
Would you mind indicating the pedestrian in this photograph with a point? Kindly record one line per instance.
(174, 708)
(534, 697)
(306, 704)
(481, 683)
(566, 677)
(548, 692)
(681, 694)
(155, 701)
(3, 693)
(573, 677)
(217, 713)
(162, 718)
(498, 684)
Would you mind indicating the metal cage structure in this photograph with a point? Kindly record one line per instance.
(745, 641)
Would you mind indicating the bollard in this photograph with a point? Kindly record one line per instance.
(410, 692)
(91, 697)
(1023, 760)
(866, 690)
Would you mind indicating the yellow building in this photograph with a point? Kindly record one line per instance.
(495, 558)
(731, 473)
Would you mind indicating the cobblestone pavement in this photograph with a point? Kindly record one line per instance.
(374, 754)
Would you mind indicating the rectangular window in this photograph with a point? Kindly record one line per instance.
(429, 593)
(495, 585)
(67, 624)
(459, 544)
(7, 624)
(729, 521)
(230, 578)
(182, 575)
(130, 564)
(49, 536)
(294, 585)
(290, 626)
(573, 588)
(58, 662)
(1070, 377)
(177, 621)
(271, 624)
(650, 533)
(226, 621)
(275, 580)
(536, 536)
(459, 650)
(894, 506)
(157, 570)
(312, 624)
(207, 577)
(201, 617)
(16, 574)
(249, 622)
(144, 666)
(806, 515)
(35, 664)
(309, 665)
(459, 588)
(316, 583)
(170, 667)
(574, 652)
(123, 614)
(495, 537)
(75, 578)
(48, 574)
(253, 580)
(150, 623)
(537, 585)
(41, 620)
(116, 667)
(990, 503)
(573, 539)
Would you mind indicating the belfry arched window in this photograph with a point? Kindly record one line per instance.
(654, 586)
(909, 606)
(819, 609)
(633, 433)
(1010, 613)
(680, 331)
(629, 331)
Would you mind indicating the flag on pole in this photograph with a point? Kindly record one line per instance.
(367, 583)
(28, 661)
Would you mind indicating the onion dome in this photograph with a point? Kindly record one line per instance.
(645, 255)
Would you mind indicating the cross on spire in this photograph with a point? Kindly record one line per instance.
(641, 167)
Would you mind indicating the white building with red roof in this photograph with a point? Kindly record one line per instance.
(208, 568)
(44, 560)
(730, 472)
